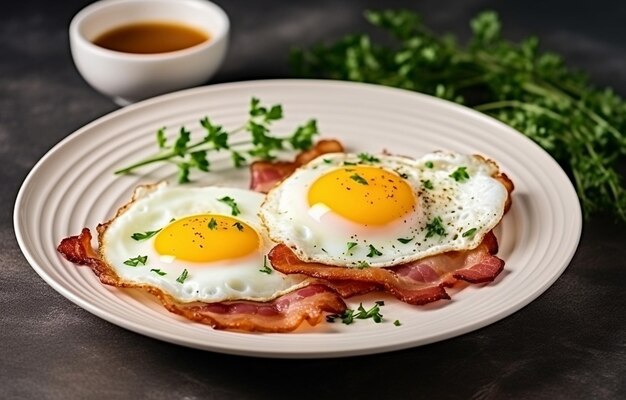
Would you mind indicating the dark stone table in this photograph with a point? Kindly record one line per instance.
(570, 343)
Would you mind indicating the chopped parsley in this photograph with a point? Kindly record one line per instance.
(362, 265)
(351, 245)
(212, 224)
(427, 184)
(234, 209)
(328, 161)
(429, 164)
(133, 262)
(349, 163)
(348, 316)
(397, 322)
(435, 227)
(358, 179)
(374, 252)
(158, 271)
(460, 175)
(469, 233)
(144, 235)
(266, 269)
(239, 226)
(366, 157)
(405, 240)
(183, 276)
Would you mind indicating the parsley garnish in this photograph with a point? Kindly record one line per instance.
(397, 322)
(327, 161)
(348, 316)
(158, 271)
(427, 184)
(367, 158)
(351, 245)
(234, 209)
(435, 227)
(144, 235)
(183, 276)
(405, 240)
(188, 154)
(532, 90)
(469, 233)
(133, 262)
(348, 163)
(358, 179)
(374, 252)
(212, 224)
(239, 226)
(266, 269)
(362, 265)
(429, 164)
(460, 175)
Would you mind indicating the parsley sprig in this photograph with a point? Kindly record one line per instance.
(581, 126)
(188, 154)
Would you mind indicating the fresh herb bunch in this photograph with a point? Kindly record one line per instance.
(188, 155)
(581, 126)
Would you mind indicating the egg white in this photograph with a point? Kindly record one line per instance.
(467, 210)
(154, 207)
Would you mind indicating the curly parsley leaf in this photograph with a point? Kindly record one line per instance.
(358, 179)
(144, 235)
(135, 261)
(229, 201)
(158, 272)
(183, 276)
(435, 227)
(266, 269)
(469, 233)
(368, 158)
(373, 252)
(460, 174)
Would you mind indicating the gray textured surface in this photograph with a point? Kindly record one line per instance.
(569, 343)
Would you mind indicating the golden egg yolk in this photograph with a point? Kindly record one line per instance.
(363, 194)
(206, 237)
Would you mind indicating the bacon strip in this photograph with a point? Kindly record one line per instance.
(282, 314)
(420, 282)
(264, 175)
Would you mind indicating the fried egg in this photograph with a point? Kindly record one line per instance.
(195, 244)
(377, 211)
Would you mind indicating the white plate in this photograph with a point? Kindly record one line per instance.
(73, 186)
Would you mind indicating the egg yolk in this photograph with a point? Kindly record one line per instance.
(363, 194)
(206, 237)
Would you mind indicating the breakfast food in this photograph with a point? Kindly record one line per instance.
(333, 225)
(202, 251)
(412, 227)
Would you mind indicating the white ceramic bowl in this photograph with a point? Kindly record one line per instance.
(129, 77)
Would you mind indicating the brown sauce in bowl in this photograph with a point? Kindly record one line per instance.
(151, 37)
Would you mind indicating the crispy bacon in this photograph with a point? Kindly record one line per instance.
(282, 314)
(264, 175)
(419, 282)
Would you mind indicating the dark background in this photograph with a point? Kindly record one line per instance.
(570, 343)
